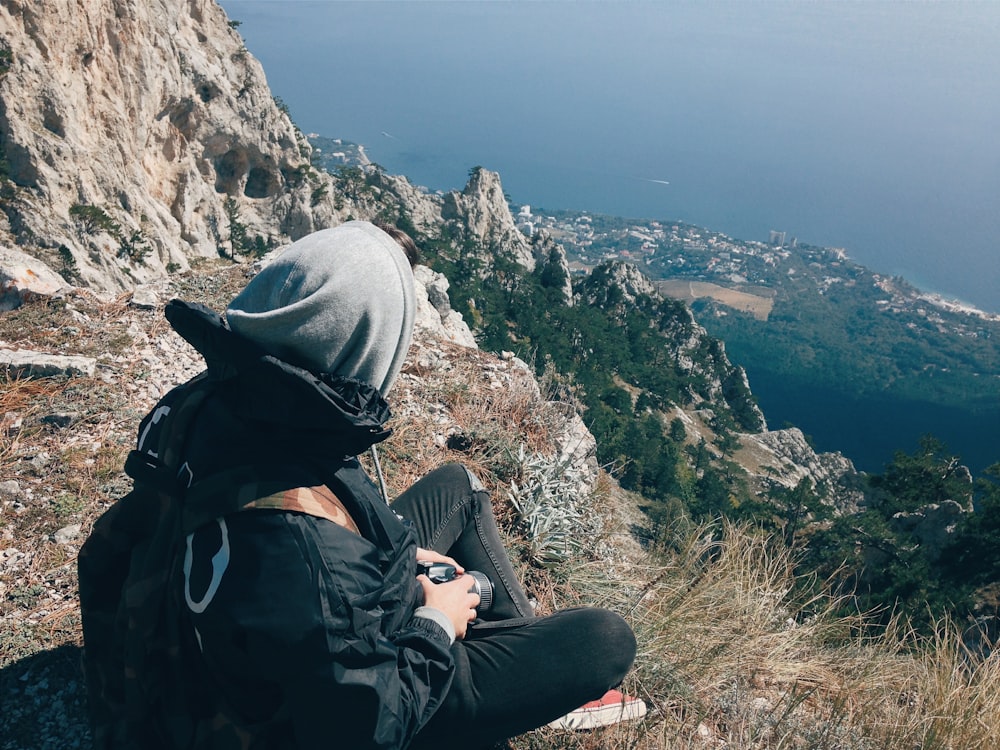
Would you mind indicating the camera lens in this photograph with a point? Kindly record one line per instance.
(482, 586)
(443, 572)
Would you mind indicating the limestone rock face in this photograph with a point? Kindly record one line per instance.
(126, 126)
(422, 209)
(23, 277)
(481, 213)
(784, 457)
(435, 318)
(618, 284)
(551, 258)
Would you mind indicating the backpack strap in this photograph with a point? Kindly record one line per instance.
(317, 501)
(159, 465)
(287, 487)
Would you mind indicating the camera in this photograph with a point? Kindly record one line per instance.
(443, 572)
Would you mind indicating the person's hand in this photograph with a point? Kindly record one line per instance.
(453, 598)
(429, 555)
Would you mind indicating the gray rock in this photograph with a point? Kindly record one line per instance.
(39, 461)
(67, 534)
(480, 212)
(23, 277)
(787, 458)
(24, 363)
(10, 489)
(11, 557)
(435, 318)
(145, 297)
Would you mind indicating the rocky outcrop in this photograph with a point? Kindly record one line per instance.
(783, 458)
(17, 363)
(136, 136)
(483, 220)
(577, 449)
(421, 209)
(23, 277)
(618, 285)
(435, 318)
(550, 258)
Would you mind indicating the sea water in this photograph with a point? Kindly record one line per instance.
(870, 126)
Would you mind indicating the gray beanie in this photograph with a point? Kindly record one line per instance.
(337, 301)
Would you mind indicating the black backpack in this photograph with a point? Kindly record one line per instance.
(131, 626)
(147, 686)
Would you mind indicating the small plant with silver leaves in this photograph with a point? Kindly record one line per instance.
(557, 521)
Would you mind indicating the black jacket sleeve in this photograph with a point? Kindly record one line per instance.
(299, 622)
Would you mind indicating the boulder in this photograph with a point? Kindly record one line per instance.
(23, 277)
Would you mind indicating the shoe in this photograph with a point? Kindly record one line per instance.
(613, 707)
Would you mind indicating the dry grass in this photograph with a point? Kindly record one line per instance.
(480, 413)
(18, 397)
(728, 658)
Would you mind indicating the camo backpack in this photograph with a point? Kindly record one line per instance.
(144, 688)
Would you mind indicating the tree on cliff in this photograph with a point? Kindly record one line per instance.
(885, 564)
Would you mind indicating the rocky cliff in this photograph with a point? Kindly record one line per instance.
(778, 458)
(481, 225)
(137, 136)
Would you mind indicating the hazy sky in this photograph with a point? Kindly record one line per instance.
(869, 125)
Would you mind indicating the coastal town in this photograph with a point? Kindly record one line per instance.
(753, 272)
(675, 250)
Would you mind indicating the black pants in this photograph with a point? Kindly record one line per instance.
(513, 671)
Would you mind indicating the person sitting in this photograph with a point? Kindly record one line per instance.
(306, 618)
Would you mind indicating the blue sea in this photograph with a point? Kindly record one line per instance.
(871, 126)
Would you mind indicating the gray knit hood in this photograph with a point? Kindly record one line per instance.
(337, 301)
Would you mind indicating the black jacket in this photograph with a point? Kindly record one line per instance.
(305, 628)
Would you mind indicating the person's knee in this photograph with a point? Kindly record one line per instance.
(619, 635)
(612, 642)
(474, 482)
(459, 476)
(469, 485)
(448, 474)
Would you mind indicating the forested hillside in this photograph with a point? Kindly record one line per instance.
(862, 361)
(627, 361)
